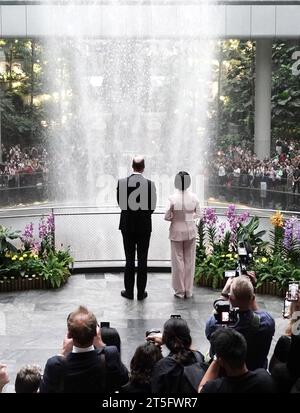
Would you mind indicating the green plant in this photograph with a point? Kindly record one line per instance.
(276, 237)
(200, 246)
(276, 268)
(214, 266)
(55, 270)
(64, 257)
(6, 235)
(246, 232)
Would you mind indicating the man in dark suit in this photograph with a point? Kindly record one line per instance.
(85, 364)
(136, 197)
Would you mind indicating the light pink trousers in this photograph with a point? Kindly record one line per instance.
(183, 254)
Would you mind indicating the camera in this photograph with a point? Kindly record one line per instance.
(152, 332)
(244, 256)
(292, 295)
(243, 253)
(225, 314)
(286, 312)
(104, 324)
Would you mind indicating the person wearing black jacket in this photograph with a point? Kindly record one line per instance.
(136, 197)
(230, 352)
(183, 368)
(85, 365)
(285, 362)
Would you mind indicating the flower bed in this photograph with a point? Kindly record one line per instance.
(275, 262)
(35, 263)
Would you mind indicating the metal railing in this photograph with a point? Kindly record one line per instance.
(93, 236)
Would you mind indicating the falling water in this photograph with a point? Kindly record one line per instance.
(123, 94)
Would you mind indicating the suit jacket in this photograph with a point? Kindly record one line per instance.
(136, 197)
(183, 209)
(84, 372)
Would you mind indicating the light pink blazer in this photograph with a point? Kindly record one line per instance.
(183, 209)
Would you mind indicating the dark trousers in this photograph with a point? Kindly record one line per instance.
(140, 243)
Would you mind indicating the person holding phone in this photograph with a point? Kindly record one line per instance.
(284, 364)
(182, 369)
(182, 211)
(86, 364)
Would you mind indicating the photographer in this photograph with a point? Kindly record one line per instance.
(255, 325)
(182, 370)
(85, 364)
(230, 349)
(285, 362)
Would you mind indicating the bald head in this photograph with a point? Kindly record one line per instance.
(82, 327)
(242, 292)
(138, 163)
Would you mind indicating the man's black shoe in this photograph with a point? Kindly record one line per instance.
(125, 294)
(143, 296)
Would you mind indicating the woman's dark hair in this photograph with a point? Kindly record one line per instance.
(111, 337)
(182, 181)
(177, 337)
(143, 361)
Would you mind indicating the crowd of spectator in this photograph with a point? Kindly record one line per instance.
(23, 166)
(167, 363)
(234, 166)
(238, 166)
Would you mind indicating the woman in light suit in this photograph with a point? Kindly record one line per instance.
(183, 209)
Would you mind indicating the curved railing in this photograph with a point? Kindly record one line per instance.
(93, 236)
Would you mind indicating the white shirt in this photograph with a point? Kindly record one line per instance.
(82, 349)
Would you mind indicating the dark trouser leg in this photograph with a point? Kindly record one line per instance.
(142, 255)
(129, 248)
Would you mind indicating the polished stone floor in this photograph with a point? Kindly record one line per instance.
(33, 323)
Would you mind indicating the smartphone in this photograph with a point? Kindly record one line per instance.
(230, 273)
(175, 316)
(286, 313)
(293, 292)
(104, 324)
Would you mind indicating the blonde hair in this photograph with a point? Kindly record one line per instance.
(242, 289)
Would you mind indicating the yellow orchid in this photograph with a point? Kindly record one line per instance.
(264, 259)
(21, 259)
(13, 258)
(25, 255)
(229, 255)
(277, 219)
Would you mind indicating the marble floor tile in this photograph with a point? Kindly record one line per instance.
(33, 323)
